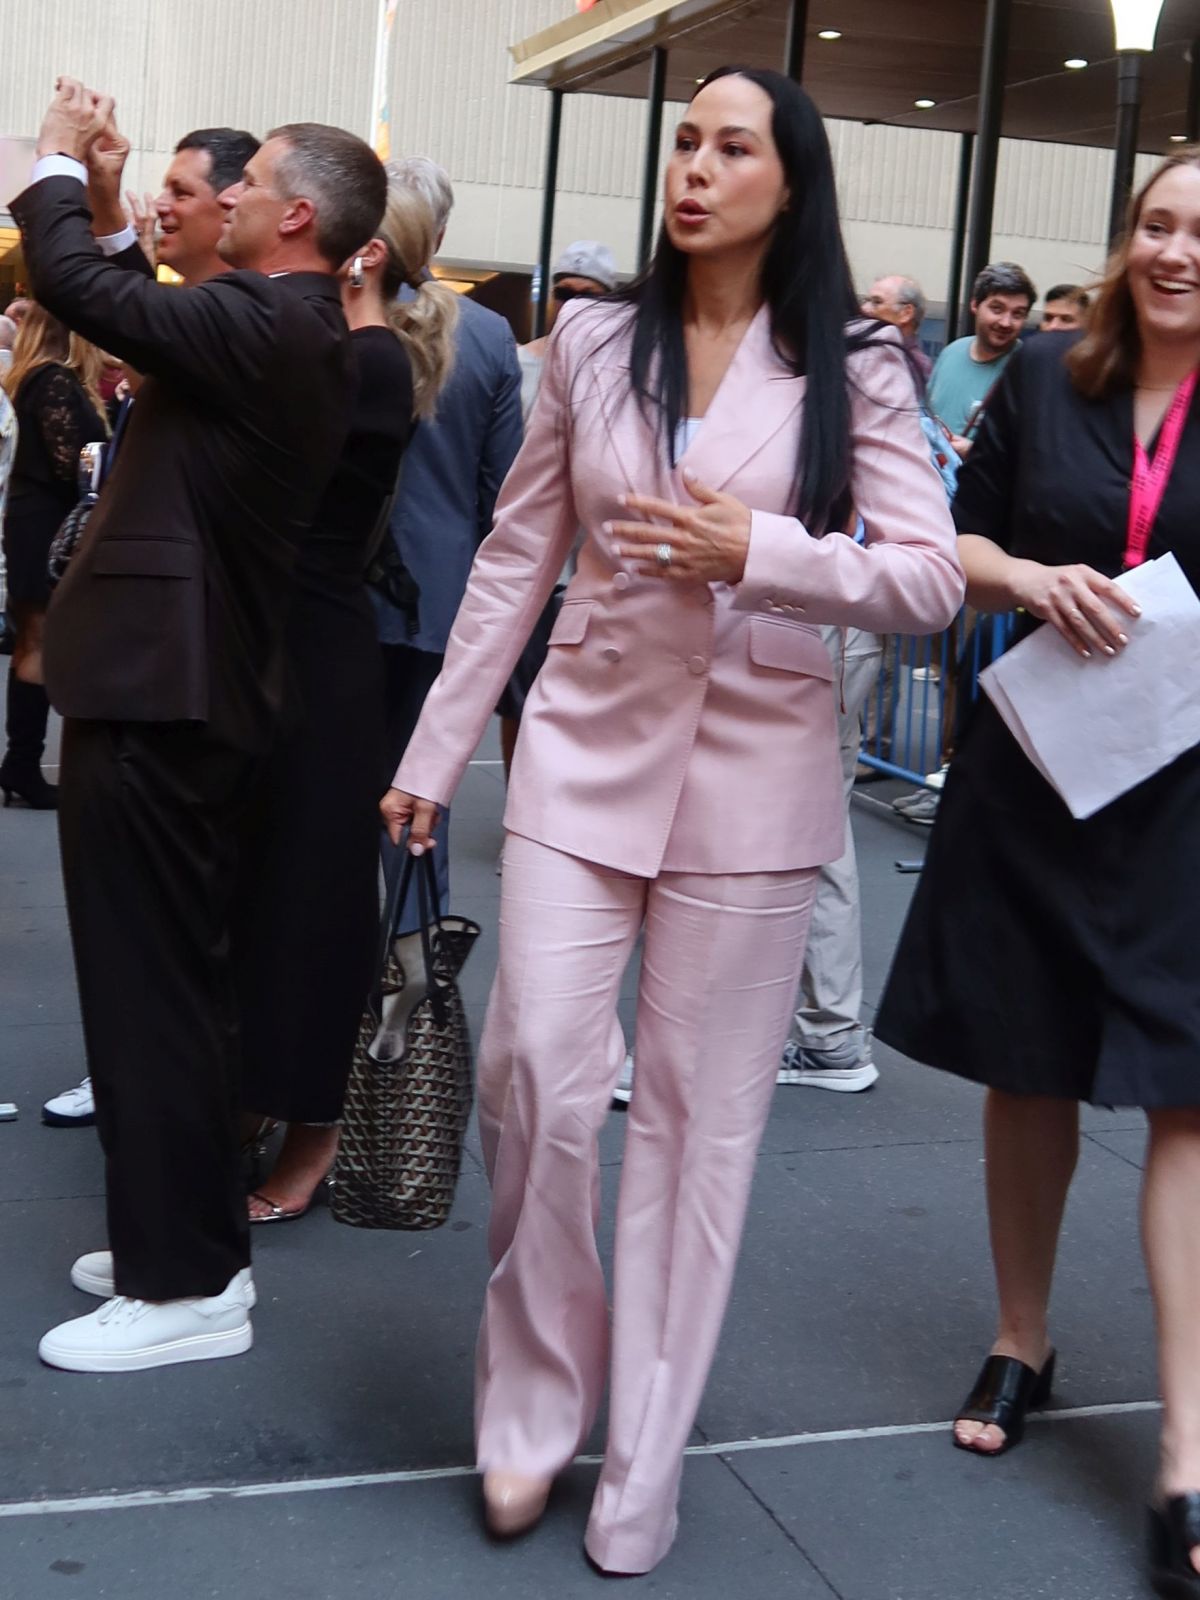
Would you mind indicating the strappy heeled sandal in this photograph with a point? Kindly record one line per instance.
(1005, 1391)
(1174, 1533)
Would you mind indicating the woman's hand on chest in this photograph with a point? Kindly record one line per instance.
(704, 543)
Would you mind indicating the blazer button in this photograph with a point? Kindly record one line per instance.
(621, 580)
(697, 666)
(611, 653)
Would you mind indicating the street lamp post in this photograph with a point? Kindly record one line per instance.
(1136, 24)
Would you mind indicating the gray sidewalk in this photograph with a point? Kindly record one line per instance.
(328, 1463)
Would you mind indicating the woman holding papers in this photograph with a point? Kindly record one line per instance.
(1056, 960)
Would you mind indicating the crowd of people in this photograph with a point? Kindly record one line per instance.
(334, 520)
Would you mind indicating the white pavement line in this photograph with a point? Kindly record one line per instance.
(140, 1499)
(489, 763)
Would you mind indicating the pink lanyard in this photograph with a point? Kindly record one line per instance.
(1150, 477)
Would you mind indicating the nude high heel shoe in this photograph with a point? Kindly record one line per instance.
(513, 1504)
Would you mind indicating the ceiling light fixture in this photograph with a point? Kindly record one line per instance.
(1135, 26)
(924, 105)
(1179, 138)
(1075, 64)
(829, 33)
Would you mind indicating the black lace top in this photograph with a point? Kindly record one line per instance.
(56, 419)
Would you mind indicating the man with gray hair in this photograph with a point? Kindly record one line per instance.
(443, 510)
(900, 301)
(164, 653)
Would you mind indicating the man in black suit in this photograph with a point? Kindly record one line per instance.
(190, 219)
(164, 654)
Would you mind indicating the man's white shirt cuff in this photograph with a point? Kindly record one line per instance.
(113, 243)
(58, 167)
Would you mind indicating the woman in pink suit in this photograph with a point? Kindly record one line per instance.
(677, 773)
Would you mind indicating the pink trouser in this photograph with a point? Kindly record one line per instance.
(720, 966)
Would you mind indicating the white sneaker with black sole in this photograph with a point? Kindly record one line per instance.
(93, 1274)
(845, 1072)
(125, 1335)
(74, 1108)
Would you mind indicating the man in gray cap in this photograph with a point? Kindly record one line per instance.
(586, 270)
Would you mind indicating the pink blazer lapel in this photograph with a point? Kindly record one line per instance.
(755, 399)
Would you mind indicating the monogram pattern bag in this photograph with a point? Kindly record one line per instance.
(411, 1085)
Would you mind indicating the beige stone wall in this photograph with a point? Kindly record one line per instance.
(177, 64)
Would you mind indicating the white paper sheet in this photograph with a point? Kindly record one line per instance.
(1096, 728)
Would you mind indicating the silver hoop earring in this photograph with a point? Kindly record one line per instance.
(357, 277)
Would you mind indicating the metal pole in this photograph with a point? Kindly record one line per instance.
(1129, 107)
(794, 49)
(549, 195)
(987, 149)
(966, 149)
(1193, 105)
(654, 122)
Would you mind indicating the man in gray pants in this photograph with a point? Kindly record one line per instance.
(829, 1048)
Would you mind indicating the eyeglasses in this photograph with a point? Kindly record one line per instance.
(563, 292)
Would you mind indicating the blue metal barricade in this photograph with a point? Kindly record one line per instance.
(926, 687)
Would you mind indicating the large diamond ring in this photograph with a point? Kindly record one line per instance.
(663, 554)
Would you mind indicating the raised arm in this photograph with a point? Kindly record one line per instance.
(211, 338)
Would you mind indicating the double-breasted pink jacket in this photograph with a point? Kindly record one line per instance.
(684, 726)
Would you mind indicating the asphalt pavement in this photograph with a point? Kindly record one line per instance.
(332, 1462)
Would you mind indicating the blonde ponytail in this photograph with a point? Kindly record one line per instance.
(425, 325)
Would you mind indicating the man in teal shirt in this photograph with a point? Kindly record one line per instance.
(965, 372)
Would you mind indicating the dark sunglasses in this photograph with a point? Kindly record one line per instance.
(562, 293)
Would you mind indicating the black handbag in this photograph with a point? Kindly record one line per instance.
(411, 1084)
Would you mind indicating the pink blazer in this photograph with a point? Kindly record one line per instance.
(685, 727)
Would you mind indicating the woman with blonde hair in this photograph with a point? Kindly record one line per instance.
(1051, 959)
(305, 945)
(52, 383)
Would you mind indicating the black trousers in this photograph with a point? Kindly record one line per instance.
(149, 819)
(408, 677)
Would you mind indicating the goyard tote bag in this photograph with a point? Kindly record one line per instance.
(409, 1097)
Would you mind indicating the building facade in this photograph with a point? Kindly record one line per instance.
(180, 64)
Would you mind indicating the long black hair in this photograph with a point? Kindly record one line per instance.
(808, 289)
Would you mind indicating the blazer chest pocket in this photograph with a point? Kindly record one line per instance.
(572, 622)
(789, 647)
(146, 558)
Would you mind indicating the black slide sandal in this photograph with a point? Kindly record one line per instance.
(1174, 1532)
(1005, 1391)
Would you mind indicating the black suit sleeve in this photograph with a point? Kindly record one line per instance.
(212, 339)
(134, 259)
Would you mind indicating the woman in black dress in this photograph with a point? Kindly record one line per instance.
(52, 384)
(306, 943)
(1054, 960)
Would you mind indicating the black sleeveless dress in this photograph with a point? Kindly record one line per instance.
(1045, 955)
(308, 917)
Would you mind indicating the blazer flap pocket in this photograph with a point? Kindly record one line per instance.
(572, 622)
(145, 558)
(789, 647)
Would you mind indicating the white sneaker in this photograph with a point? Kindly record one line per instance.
(623, 1093)
(126, 1335)
(93, 1274)
(74, 1108)
(827, 1069)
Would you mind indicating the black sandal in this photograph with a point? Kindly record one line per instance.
(1005, 1391)
(1174, 1532)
